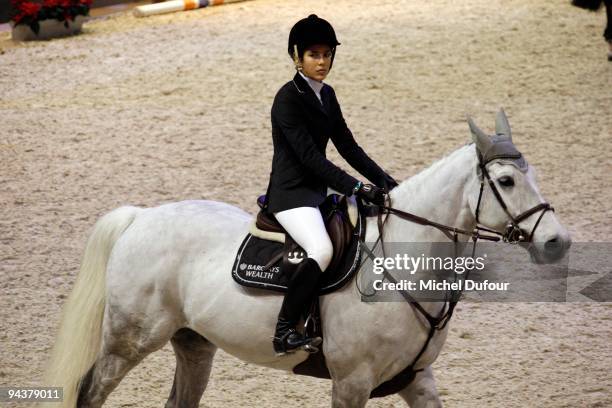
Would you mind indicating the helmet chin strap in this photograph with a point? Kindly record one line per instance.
(296, 58)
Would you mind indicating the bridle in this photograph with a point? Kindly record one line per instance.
(512, 234)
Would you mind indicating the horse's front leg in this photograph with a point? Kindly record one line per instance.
(422, 391)
(352, 391)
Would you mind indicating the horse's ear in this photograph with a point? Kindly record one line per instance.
(502, 126)
(479, 137)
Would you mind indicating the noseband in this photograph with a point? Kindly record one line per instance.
(513, 233)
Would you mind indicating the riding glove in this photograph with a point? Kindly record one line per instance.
(372, 194)
(389, 182)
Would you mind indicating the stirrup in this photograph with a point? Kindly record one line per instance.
(312, 347)
(308, 344)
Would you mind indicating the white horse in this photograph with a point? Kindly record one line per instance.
(158, 274)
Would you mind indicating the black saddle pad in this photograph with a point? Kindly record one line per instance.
(255, 253)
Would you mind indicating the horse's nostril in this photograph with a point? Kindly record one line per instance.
(553, 244)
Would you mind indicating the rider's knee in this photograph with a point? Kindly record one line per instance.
(323, 253)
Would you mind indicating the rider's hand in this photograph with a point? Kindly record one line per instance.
(372, 194)
(389, 182)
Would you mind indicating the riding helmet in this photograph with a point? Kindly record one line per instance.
(311, 31)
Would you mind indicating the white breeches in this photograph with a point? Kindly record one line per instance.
(306, 227)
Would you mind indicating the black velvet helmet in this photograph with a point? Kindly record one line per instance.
(311, 31)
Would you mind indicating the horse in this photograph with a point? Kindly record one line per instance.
(595, 5)
(153, 275)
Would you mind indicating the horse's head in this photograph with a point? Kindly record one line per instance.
(509, 200)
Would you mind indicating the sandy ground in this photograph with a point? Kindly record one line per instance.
(147, 111)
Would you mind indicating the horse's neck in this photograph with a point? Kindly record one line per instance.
(438, 193)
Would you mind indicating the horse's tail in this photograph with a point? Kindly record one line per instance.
(79, 338)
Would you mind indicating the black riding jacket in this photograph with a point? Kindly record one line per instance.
(301, 128)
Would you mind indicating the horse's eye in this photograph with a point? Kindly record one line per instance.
(506, 181)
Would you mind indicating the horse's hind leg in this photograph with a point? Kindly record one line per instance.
(106, 373)
(108, 370)
(194, 357)
(422, 391)
(125, 344)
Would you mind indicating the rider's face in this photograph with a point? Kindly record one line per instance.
(317, 61)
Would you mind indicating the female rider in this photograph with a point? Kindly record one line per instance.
(305, 115)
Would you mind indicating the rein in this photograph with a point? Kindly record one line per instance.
(512, 234)
(450, 232)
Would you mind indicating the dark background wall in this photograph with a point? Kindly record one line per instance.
(5, 7)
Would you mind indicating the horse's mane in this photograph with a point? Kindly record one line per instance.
(435, 167)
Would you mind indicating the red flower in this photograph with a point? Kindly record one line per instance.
(25, 9)
(67, 9)
(30, 8)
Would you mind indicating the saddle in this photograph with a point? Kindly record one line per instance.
(267, 244)
(268, 255)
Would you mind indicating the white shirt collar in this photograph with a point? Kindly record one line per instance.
(315, 85)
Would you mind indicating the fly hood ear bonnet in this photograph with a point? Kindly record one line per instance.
(498, 146)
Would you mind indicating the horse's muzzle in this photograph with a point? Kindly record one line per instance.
(550, 251)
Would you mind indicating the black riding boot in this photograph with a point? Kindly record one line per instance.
(302, 287)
